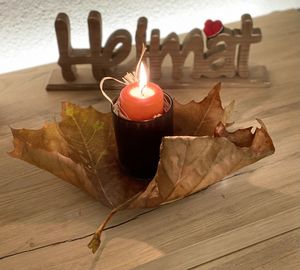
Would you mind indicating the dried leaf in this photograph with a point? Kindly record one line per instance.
(227, 113)
(189, 164)
(46, 149)
(81, 150)
(200, 118)
(241, 137)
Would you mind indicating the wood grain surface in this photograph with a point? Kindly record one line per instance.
(251, 220)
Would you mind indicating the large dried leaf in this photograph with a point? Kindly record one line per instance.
(81, 149)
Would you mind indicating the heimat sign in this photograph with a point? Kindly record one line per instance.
(221, 54)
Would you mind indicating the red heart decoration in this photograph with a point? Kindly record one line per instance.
(212, 28)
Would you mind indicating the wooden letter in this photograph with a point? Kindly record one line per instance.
(63, 35)
(140, 37)
(220, 55)
(245, 37)
(95, 38)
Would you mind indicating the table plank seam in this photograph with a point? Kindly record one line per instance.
(264, 222)
(238, 250)
(76, 238)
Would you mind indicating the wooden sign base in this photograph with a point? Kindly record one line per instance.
(258, 77)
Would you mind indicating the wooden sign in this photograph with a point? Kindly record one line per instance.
(223, 57)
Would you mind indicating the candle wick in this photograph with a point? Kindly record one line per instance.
(142, 92)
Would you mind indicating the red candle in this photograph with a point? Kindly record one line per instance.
(141, 100)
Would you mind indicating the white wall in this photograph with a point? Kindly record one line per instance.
(27, 36)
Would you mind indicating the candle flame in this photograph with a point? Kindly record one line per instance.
(142, 77)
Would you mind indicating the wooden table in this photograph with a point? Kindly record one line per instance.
(251, 220)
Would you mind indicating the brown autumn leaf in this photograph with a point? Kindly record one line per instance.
(200, 118)
(81, 149)
(189, 164)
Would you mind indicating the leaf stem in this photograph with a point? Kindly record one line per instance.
(94, 244)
